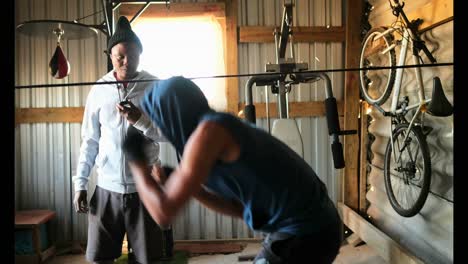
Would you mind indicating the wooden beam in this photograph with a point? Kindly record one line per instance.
(351, 104)
(363, 158)
(296, 109)
(49, 115)
(385, 246)
(432, 13)
(300, 34)
(232, 84)
(75, 114)
(175, 10)
(436, 24)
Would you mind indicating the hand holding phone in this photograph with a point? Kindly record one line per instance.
(126, 104)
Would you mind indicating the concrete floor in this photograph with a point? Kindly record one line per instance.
(348, 255)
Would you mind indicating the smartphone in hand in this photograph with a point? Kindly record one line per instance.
(126, 104)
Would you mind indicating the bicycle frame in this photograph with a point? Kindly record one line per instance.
(423, 101)
(407, 160)
(399, 73)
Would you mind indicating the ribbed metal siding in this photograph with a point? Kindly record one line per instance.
(319, 56)
(429, 234)
(47, 153)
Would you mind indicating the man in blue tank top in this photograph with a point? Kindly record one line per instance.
(237, 169)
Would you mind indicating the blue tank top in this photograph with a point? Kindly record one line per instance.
(280, 192)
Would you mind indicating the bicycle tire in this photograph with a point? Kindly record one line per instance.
(376, 85)
(418, 182)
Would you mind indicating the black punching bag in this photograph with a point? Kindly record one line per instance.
(58, 65)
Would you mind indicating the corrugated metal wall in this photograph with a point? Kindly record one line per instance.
(429, 234)
(254, 56)
(46, 154)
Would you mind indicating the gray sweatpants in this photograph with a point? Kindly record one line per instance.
(112, 214)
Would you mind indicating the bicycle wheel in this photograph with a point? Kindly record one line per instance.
(376, 85)
(407, 170)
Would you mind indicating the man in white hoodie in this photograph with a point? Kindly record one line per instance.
(115, 207)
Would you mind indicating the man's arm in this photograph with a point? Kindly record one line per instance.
(140, 121)
(219, 204)
(90, 134)
(209, 143)
(204, 196)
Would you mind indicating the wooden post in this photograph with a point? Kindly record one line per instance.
(232, 84)
(363, 159)
(351, 104)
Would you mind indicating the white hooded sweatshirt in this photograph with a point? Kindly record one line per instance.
(103, 131)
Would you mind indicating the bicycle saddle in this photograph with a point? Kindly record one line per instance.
(439, 106)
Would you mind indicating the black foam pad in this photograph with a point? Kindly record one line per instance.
(332, 115)
(249, 111)
(337, 153)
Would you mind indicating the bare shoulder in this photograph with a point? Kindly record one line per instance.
(215, 133)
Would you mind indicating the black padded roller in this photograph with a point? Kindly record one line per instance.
(249, 111)
(332, 116)
(337, 152)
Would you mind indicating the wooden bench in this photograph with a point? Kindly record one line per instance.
(32, 219)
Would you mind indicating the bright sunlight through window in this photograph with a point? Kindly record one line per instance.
(191, 47)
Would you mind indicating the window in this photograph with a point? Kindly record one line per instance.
(188, 46)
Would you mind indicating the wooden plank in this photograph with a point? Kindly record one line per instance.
(385, 246)
(46, 254)
(436, 24)
(351, 104)
(232, 84)
(36, 237)
(75, 114)
(363, 158)
(49, 115)
(209, 247)
(296, 109)
(433, 12)
(175, 10)
(32, 217)
(249, 34)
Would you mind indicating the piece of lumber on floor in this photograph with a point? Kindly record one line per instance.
(246, 257)
(209, 247)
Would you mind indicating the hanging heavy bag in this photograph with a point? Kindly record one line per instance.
(59, 67)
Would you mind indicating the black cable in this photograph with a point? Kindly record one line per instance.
(238, 75)
(97, 12)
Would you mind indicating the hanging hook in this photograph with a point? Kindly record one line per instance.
(59, 32)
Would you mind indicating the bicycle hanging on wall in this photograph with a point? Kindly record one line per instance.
(407, 163)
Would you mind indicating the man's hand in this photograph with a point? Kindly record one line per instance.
(130, 112)
(134, 145)
(80, 201)
(160, 174)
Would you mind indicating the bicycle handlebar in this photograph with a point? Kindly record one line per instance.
(397, 10)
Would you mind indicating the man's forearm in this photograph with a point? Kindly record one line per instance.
(145, 125)
(218, 204)
(152, 195)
